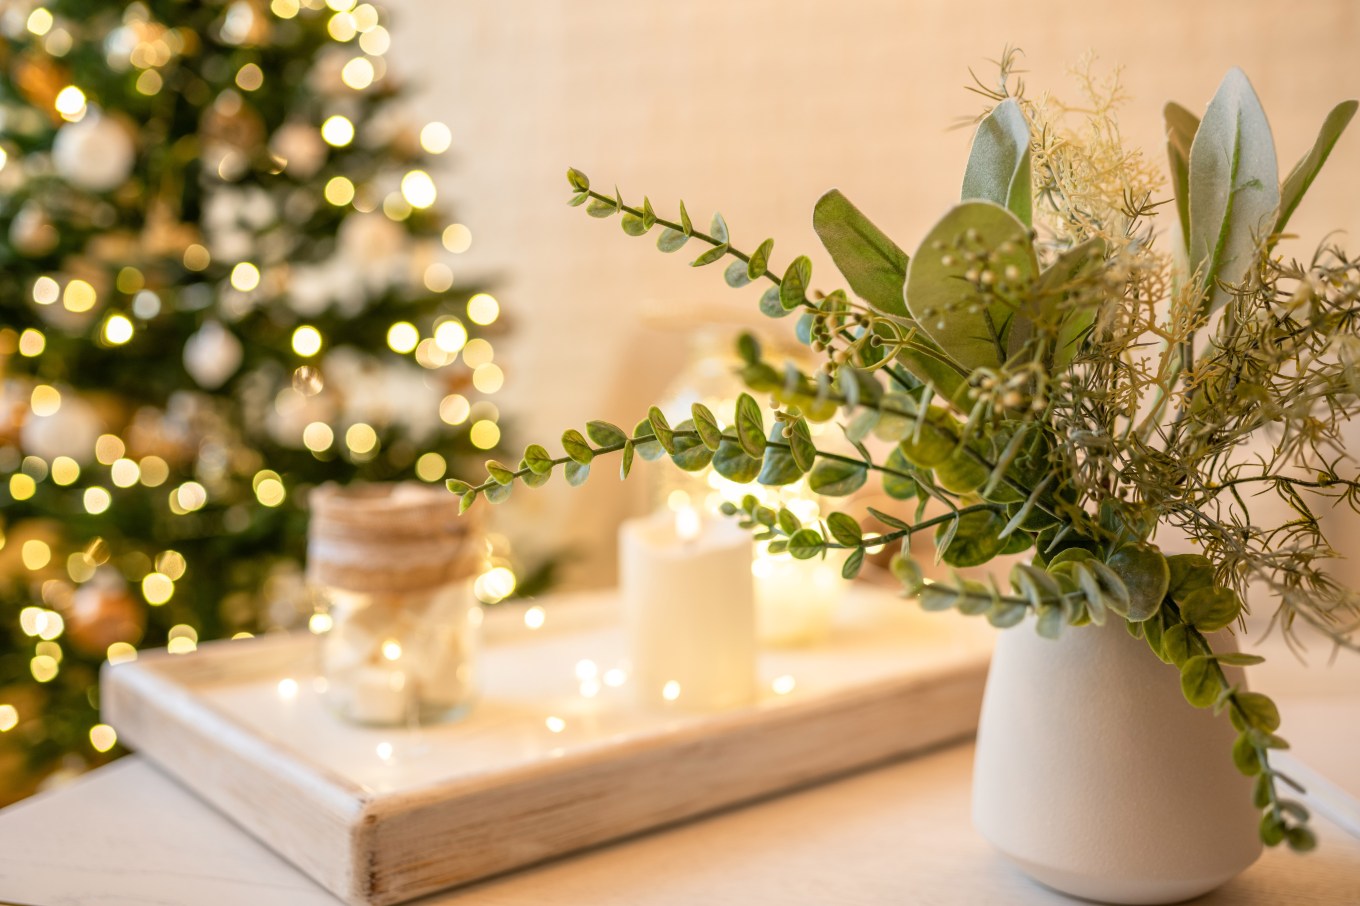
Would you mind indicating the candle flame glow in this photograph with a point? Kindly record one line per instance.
(687, 524)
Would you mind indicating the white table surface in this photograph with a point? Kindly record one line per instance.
(900, 834)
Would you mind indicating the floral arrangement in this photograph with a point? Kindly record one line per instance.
(1048, 380)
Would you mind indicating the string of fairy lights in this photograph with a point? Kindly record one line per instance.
(117, 313)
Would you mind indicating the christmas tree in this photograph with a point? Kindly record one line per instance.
(225, 279)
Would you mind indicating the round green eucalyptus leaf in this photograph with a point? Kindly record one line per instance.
(895, 485)
(932, 440)
(1036, 520)
(690, 453)
(734, 463)
(965, 282)
(961, 473)
(1145, 573)
(1189, 573)
(976, 540)
(1211, 609)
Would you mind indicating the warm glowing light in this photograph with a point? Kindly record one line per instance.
(97, 500)
(435, 138)
(32, 342)
(117, 330)
(391, 650)
(149, 82)
(783, 685)
(615, 677)
(103, 737)
(157, 588)
(197, 258)
(494, 585)
(451, 335)
(44, 668)
(361, 438)
(21, 486)
(190, 496)
(687, 523)
(431, 467)
(36, 554)
(454, 409)
(376, 41)
(484, 434)
(124, 473)
(9, 717)
(46, 290)
(342, 27)
(438, 277)
(181, 646)
(534, 617)
(270, 492)
(121, 653)
(671, 691)
(320, 623)
(338, 131)
(288, 688)
(70, 103)
(418, 189)
(109, 448)
(384, 750)
(155, 471)
(245, 276)
(318, 436)
(587, 669)
(39, 22)
(172, 564)
(402, 337)
(457, 238)
(339, 191)
(285, 9)
(306, 341)
(483, 309)
(488, 378)
(477, 352)
(555, 724)
(45, 400)
(365, 16)
(79, 296)
(396, 207)
(65, 470)
(358, 73)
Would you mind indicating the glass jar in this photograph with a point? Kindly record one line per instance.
(390, 567)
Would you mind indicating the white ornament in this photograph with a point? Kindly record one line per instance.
(97, 153)
(212, 355)
(70, 431)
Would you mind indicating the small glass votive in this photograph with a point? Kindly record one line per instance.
(390, 567)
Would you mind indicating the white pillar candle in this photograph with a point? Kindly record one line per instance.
(796, 599)
(689, 605)
(380, 696)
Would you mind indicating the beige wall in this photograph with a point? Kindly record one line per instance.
(757, 107)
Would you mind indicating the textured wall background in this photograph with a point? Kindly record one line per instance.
(756, 108)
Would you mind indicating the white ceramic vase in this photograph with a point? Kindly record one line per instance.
(1097, 778)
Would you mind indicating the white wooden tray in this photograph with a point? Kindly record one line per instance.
(554, 758)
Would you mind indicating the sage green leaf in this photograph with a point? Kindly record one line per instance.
(908, 572)
(1272, 829)
(898, 483)
(1152, 630)
(871, 263)
(632, 224)
(537, 459)
(601, 207)
(806, 544)
(1199, 681)
(976, 538)
(837, 478)
(648, 214)
(735, 464)
(577, 473)
(717, 228)
(793, 288)
(735, 276)
(897, 415)
(1096, 599)
(1246, 757)
(771, 306)
(748, 348)
(1144, 572)
(998, 164)
(690, 454)
(536, 479)
(932, 440)
(860, 426)
(801, 446)
(1211, 609)
(650, 450)
(960, 304)
(1181, 126)
(936, 598)
(1050, 621)
(714, 254)
(626, 463)
(1017, 543)
(576, 447)
(500, 473)
(1301, 839)
(750, 425)
(1060, 287)
(1189, 573)
(671, 240)
(1255, 710)
(1261, 791)
(760, 260)
(780, 468)
(853, 564)
(706, 423)
(498, 493)
(458, 487)
(685, 224)
(844, 529)
(578, 180)
(604, 434)
(787, 522)
(1296, 184)
(888, 519)
(1239, 659)
(662, 429)
(961, 473)
(578, 199)
(1178, 645)
(929, 364)
(1234, 189)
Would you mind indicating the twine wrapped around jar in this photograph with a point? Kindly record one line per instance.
(390, 538)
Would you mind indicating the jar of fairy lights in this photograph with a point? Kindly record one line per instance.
(390, 567)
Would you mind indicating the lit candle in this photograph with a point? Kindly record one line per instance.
(380, 696)
(688, 599)
(796, 599)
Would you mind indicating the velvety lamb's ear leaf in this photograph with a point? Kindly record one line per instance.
(1181, 126)
(1306, 170)
(998, 165)
(1234, 189)
(957, 302)
(871, 263)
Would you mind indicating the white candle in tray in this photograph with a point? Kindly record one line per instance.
(796, 600)
(380, 696)
(688, 600)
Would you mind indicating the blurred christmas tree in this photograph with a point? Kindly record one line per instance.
(224, 279)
